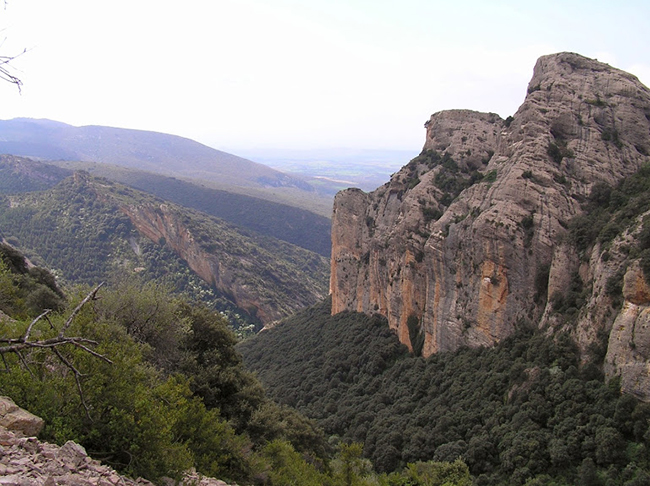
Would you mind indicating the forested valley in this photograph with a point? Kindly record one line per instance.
(523, 412)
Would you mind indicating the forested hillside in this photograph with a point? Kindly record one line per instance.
(88, 230)
(287, 223)
(525, 411)
(159, 153)
(534, 409)
(146, 382)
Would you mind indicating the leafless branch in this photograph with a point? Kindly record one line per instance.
(25, 337)
(5, 71)
(22, 360)
(89, 297)
(77, 375)
(18, 345)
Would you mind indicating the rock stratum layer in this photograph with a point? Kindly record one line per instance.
(464, 244)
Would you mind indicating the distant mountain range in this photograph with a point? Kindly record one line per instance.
(159, 153)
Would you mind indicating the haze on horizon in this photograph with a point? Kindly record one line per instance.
(248, 75)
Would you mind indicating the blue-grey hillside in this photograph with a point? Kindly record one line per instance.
(154, 152)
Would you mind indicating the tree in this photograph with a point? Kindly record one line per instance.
(433, 473)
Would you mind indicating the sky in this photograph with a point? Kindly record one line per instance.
(249, 75)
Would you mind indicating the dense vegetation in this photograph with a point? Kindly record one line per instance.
(174, 395)
(450, 179)
(522, 412)
(287, 223)
(25, 291)
(78, 229)
(20, 175)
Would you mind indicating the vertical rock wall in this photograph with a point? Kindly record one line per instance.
(463, 237)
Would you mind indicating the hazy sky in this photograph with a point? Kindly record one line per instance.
(250, 74)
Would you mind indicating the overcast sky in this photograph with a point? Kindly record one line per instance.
(249, 74)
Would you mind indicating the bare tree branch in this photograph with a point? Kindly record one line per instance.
(90, 296)
(5, 67)
(17, 345)
(25, 338)
(5, 71)
(77, 375)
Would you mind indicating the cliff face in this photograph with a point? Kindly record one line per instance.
(254, 279)
(464, 244)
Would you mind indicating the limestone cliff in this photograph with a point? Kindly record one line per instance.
(466, 242)
(256, 280)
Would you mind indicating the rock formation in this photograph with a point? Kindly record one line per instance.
(464, 244)
(251, 277)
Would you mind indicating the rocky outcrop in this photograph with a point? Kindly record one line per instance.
(268, 278)
(628, 350)
(253, 279)
(466, 240)
(20, 421)
(26, 461)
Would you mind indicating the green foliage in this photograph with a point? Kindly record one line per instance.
(569, 301)
(416, 335)
(558, 150)
(541, 283)
(527, 223)
(439, 473)
(350, 464)
(608, 212)
(490, 176)
(289, 468)
(518, 412)
(18, 175)
(79, 228)
(175, 396)
(611, 135)
(431, 214)
(26, 291)
(297, 226)
(450, 178)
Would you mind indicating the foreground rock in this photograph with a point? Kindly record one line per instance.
(20, 421)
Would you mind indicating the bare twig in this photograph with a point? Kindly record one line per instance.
(22, 360)
(90, 296)
(17, 345)
(5, 71)
(25, 337)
